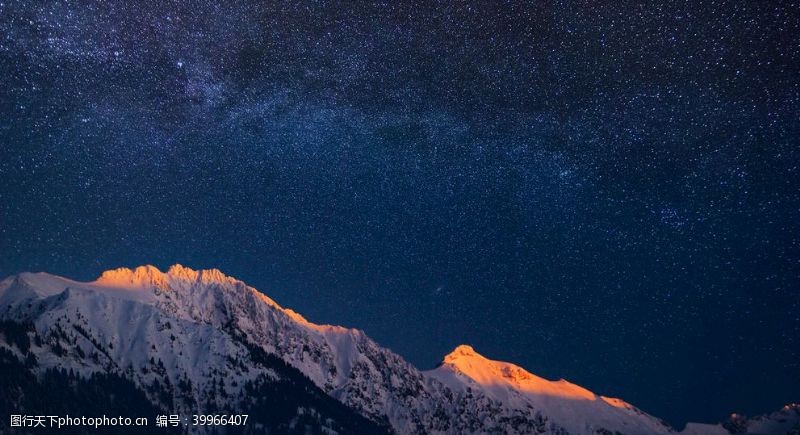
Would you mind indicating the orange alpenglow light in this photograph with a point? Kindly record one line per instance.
(465, 360)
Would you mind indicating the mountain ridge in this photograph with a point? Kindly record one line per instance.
(212, 333)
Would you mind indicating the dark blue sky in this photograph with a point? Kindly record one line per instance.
(605, 193)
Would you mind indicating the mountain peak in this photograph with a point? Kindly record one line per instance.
(141, 276)
(465, 361)
(184, 273)
(151, 276)
(462, 350)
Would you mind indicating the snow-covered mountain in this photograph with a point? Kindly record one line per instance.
(574, 408)
(199, 341)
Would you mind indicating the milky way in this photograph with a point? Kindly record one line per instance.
(606, 193)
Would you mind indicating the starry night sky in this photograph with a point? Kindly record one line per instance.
(605, 193)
